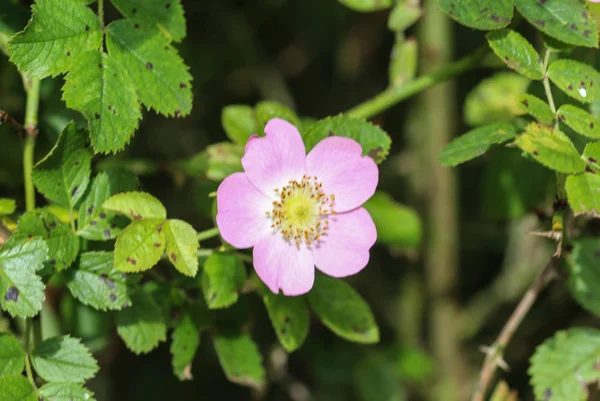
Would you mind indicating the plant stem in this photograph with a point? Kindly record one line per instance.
(393, 95)
(546, 81)
(31, 131)
(204, 235)
(101, 13)
(28, 325)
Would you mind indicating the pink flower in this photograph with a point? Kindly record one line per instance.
(299, 210)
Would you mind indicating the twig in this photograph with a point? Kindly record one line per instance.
(5, 118)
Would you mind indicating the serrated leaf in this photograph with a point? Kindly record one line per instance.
(182, 246)
(136, 206)
(57, 391)
(479, 14)
(101, 89)
(564, 365)
(584, 281)
(397, 225)
(21, 289)
(97, 283)
(565, 20)
(64, 174)
(268, 109)
(551, 148)
(495, 99)
(16, 387)
(403, 15)
(583, 192)
(578, 80)
(63, 245)
(222, 278)
(12, 356)
(290, 319)
(580, 121)
(160, 75)
(140, 246)
(239, 122)
(537, 108)
(142, 325)
(240, 359)
(48, 45)
(343, 310)
(63, 359)
(374, 141)
(167, 15)
(516, 52)
(592, 152)
(475, 143)
(7, 206)
(185, 341)
(367, 5)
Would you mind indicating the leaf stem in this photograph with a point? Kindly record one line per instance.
(546, 81)
(31, 132)
(101, 13)
(395, 94)
(204, 235)
(28, 326)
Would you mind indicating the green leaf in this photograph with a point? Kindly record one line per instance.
(404, 60)
(479, 14)
(160, 75)
(222, 278)
(167, 15)
(495, 99)
(592, 152)
(12, 356)
(7, 206)
(217, 162)
(240, 359)
(239, 122)
(185, 342)
(16, 387)
(267, 110)
(367, 5)
(101, 89)
(63, 245)
(536, 107)
(48, 45)
(583, 193)
(565, 20)
(63, 359)
(403, 15)
(551, 148)
(578, 80)
(397, 225)
(21, 289)
(343, 310)
(142, 325)
(182, 246)
(97, 283)
(64, 174)
(516, 52)
(140, 246)
(584, 278)
(580, 121)
(475, 143)
(564, 365)
(290, 319)
(58, 391)
(136, 206)
(374, 141)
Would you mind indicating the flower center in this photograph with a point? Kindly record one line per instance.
(301, 213)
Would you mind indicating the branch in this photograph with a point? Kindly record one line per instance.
(5, 118)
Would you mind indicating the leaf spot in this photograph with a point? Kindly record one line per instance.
(12, 294)
(173, 257)
(107, 233)
(131, 260)
(157, 244)
(102, 215)
(113, 297)
(149, 65)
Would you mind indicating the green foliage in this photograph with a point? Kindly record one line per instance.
(343, 310)
(537, 108)
(185, 342)
(584, 278)
(267, 110)
(215, 163)
(475, 143)
(140, 246)
(367, 5)
(222, 278)
(551, 148)
(583, 194)
(564, 365)
(376, 380)
(7, 206)
(397, 225)
(239, 122)
(591, 153)
(403, 15)
(565, 20)
(182, 246)
(240, 359)
(63, 359)
(64, 174)
(479, 14)
(403, 66)
(578, 80)
(374, 141)
(11, 355)
(580, 121)
(136, 206)
(57, 391)
(168, 16)
(290, 319)
(516, 52)
(16, 387)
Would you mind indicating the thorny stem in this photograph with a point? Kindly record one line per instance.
(31, 131)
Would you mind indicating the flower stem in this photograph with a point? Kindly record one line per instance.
(204, 235)
(31, 131)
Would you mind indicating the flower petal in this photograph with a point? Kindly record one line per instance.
(281, 265)
(273, 160)
(241, 211)
(338, 164)
(344, 251)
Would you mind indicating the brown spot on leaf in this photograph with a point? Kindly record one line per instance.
(74, 191)
(525, 103)
(102, 215)
(535, 153)
(586, 33)
(68, 54)
(12, 294)
(168, 5)
(573, 27)
(131, 260)
(591, 125)
(97, 116)
(93, 223)
(137, 26)
(182, 85)
(53, 262)
(149, 65)
(107, 281)
(173, 257)
(157, 244)
(570, 87)
(107, 233)
(375, 154)
(540, 22)
(592, 160)
(113, 297)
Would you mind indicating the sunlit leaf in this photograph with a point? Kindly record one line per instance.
(63, 359)
(57, 391)
(537, 108)
(583, 192)
(580, 121)
(136, 206)
(480, 14)
(222, 278)
(16, 387)
(167, 15)
(182, 246)
(578, 80)
(12, 356)
(140, 246)
(516, 52)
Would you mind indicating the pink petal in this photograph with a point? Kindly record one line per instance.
(338, 164)
(241, 211)
(281, 265)
(344, 251)
(273, 160)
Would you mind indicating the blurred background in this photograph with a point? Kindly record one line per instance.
(460, 256)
